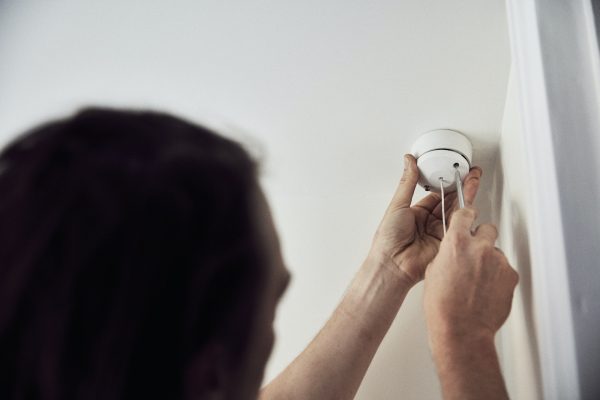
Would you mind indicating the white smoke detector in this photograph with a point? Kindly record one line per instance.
(439, 154)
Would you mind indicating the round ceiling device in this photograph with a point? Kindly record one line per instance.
(439, 154)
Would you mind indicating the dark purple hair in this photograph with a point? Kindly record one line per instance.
(126, 246)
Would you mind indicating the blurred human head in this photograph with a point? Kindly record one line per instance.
(137, 260)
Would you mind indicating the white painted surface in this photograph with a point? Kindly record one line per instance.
(333, 92)
(555, 51)
(511, 212)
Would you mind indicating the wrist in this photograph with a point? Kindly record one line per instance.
(468, 367)
(456, 341)
(393, 272)
(373, 298)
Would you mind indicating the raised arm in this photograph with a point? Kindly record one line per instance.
(335, 362)
(468, 295)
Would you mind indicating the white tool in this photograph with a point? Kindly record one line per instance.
(444, 159)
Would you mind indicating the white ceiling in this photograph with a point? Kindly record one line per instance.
(344, 86)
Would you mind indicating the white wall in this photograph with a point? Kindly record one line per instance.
(333, 93)
(511, 211)
(555, 53)
(326, 237)
(569, 49)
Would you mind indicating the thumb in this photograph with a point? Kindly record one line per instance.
(406, 188)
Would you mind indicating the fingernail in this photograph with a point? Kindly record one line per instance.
(405, 161)
(480, 171)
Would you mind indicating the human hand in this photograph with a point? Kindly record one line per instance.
(408, 238)
(469, 285)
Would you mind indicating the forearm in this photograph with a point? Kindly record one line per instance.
(335, 362)
(468, 368)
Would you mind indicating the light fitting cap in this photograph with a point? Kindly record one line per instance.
(443, 139)
(439, 153)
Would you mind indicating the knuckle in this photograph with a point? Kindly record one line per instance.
(468, 211)
(493, 228)
(407, 176)
(464, 213)
(504, 260)
(499, 254)
(487, 250)
(472, 211)
(487, 231)
(515, 275)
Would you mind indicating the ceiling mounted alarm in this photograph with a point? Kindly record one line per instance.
(440, 155)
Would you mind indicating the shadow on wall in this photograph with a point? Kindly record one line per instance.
(521, 349)
(522, 262)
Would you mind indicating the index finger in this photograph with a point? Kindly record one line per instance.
(471, 184)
